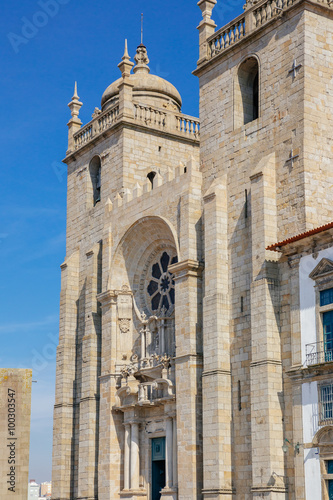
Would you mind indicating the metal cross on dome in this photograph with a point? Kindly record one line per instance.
(142, 29)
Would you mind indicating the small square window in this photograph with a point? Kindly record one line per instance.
(326, 297)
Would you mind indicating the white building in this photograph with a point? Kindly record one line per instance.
(33, 490)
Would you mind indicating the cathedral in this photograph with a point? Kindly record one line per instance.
(195, 356)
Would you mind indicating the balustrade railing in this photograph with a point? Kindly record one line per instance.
(83, 136)
(152, 391)
(254, 17)
(149, 115)
(102, 122)
(188, 125)
(144, 114)
(149, 391)
(269, 9)
(317, 353)
(226, 36)
(266, 11)
(106, 119)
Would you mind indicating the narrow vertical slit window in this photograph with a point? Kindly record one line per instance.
(239, 396)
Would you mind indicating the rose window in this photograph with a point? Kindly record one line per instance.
(161, 288)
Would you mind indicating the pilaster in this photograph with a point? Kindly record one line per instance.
(266, 366)
(187, 275)
(89, 403)
(295, 434)
(295, 321)
(64, 409)
(110, 422)
(216, 377)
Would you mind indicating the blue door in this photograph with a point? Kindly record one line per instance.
(158, 467)
(330, 482)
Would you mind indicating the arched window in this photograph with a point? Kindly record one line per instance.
(95, 176)
(248, 84)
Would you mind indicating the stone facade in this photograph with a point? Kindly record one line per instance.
(180, 350)
(15, 412)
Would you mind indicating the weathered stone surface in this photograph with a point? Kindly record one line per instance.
(15, 410)
(195, 347)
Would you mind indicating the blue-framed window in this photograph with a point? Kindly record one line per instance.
(328, 335)
(326, 297)
(326, 402)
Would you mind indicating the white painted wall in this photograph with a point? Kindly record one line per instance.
(312, 474)
(310, 410)
(310, 389)
(310, 427)
(308, 298)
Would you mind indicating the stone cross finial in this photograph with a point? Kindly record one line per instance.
(141, 59)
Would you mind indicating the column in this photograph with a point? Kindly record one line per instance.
(135, 462)
(168, 453)
(174, 452)
(143, 342)
(162, 343)
(127, 447)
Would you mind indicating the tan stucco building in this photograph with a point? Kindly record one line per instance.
(197, 257)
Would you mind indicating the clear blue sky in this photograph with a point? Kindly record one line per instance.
(82, 40)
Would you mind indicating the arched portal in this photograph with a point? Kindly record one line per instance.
(324, 441)
(141, 262)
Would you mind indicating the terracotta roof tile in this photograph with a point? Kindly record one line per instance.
(276, 246)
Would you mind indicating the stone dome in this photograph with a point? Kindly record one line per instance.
(147, 89)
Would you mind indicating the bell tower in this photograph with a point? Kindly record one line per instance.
(129, 360)
(266, 112)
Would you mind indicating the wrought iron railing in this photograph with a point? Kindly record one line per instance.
(317, 353)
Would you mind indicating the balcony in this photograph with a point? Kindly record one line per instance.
(160, 389)
(147, 116)
(318, 352)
